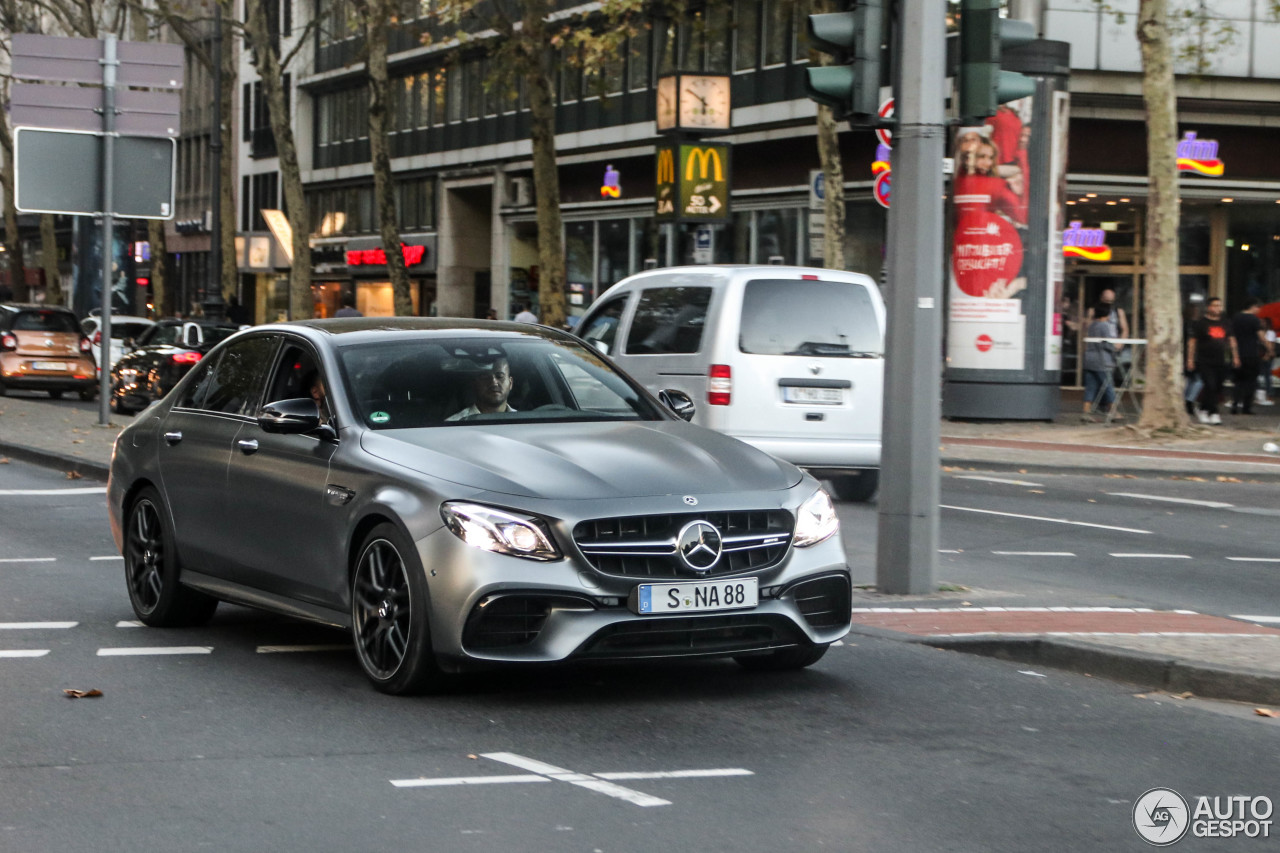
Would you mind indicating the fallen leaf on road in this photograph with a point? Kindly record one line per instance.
(4, 460)
(1022, 470)
(1032, 672)
(473, 757)
(77, 441)
(966, 604)
(1228, 479)
(1036, 491)
(1187, 695)
(1092, 501)
(74, 475)
(1113, 476)
(82, 694)
(1196, 479)
(1266, 712)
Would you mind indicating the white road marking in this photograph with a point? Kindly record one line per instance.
(155, 650)
(1268, 619)
(28, 559)
(1254, 559)
(996, 480)
(22, 626)
(1210, 504)
(1154, 556)
(1043, 518)
(84, 490)
(949, 551)
(23, 653)
(599, 782)
(319, 647)
(129, 624)
(106, 558)
(1034, 553)
(466, 780)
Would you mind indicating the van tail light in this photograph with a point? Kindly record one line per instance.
(8, 341)
(719, 385)
(185, 357)
(97, 339)
(85, 345)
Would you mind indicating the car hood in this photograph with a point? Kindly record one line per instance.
(584, 461)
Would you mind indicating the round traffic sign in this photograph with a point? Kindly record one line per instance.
(884, 134)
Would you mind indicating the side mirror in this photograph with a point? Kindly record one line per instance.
(678, 402)
(290, 417)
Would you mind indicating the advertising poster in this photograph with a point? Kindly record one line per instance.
(987, 320)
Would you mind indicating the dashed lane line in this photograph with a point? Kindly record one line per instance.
(1188, 501)
(1254, 559)
(316, 647)
(1123, 555)
(996, 480)
(83, 490)
(1034, 553)
(155, 650)
(1045, 518)
(23, 653)
(35, 626)
(591, 783)
(108, 557)
(28, 559)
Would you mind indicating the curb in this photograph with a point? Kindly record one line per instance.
(1171, 674)
(48, 459)
(1269, 476)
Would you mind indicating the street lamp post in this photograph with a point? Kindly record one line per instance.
(214, 306)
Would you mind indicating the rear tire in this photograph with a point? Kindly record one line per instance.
(390, 627)
(856, 486)
(784, 660)
(151, 569)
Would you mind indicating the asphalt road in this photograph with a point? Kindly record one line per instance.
(262, 733)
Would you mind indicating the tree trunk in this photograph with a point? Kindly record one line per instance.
(1163, 408)
(227, 231)
(833, 187)
(12, 240)
(161, 293)
(546, 176)
(53, 294)
(267, 62)
(376, 14)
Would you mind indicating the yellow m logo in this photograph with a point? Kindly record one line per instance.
(666, 167)
(705, 157)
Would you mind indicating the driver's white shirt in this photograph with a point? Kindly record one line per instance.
(472, 410)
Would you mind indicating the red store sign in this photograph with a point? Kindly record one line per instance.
(413, 255)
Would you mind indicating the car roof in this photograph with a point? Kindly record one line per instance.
(738, 272)
(34, 306)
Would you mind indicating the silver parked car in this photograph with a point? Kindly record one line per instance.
(468, 493)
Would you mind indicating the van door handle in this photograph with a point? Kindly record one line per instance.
(173, 437)
(248, 445)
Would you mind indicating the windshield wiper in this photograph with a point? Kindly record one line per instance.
(820, 348)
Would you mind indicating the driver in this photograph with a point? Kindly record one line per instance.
(489, 390)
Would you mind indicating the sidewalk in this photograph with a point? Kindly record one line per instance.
(1178, 651)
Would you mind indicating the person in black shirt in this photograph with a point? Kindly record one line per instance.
(1207, 354)
(1251, 343)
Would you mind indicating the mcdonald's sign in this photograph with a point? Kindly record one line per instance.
(692, 182)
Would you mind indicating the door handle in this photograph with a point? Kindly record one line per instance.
(173, 437)
(248, 445)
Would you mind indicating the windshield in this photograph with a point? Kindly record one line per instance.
(447, 382)
(809, 318)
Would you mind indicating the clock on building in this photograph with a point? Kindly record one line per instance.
(694, 102)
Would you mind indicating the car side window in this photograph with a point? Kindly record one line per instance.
(193, 394)
(669, 320)
(235, 386)
(298, 374)
(166, 334)
(601, 330)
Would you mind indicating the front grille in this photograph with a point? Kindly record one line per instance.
(824, 602)
(511, 620)
(691, 636)
(644, 546)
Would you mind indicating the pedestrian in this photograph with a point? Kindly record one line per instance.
(524, 315)
(1211, 352)
(1100, 364)
(1251, 345)
(1263, 397)
(348, 308)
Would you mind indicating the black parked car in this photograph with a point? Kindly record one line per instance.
(161, 356)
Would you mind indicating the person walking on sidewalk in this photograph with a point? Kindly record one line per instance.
(1100, 363)
(1251, 344)
(1263, 397)
(1211, 352)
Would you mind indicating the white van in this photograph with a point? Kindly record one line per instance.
(788, 359)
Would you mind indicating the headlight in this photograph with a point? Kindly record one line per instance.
(815, 521)
(498, 530)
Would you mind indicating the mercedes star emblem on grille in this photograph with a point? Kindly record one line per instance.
(699, 545)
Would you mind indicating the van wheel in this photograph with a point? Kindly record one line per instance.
(856, 486)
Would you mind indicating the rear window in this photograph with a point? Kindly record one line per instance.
(45, 321)
(669, 320)
(809, 318)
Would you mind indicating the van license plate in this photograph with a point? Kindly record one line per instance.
(697, 596)
(820, 396)
(49, 365)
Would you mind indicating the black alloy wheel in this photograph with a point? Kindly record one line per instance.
(151, 570)
(389, 623)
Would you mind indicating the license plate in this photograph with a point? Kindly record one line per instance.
(820, 396)
(49, 365)
(697, 596)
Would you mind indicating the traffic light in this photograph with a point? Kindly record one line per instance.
(984, 35)
(855, 38)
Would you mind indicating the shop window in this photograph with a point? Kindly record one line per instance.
(664, 33)
(473, 85)
(579, 245)
(777, 14)
(615, 253)
(638, 78)
(776, 235)
(377, 299)
(746, 34)
(453, 95)
(439, 96)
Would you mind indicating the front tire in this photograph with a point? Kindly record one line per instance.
(389, 623)
(152, 572)
(784, 660)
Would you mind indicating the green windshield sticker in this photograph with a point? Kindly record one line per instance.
(379, 417)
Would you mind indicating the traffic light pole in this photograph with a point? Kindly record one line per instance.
(907, 549)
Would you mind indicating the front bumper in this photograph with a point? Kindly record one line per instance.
(488, 608)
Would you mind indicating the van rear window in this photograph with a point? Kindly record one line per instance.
(809, 318)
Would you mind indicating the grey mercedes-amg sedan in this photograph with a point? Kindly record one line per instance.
(465, 493)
